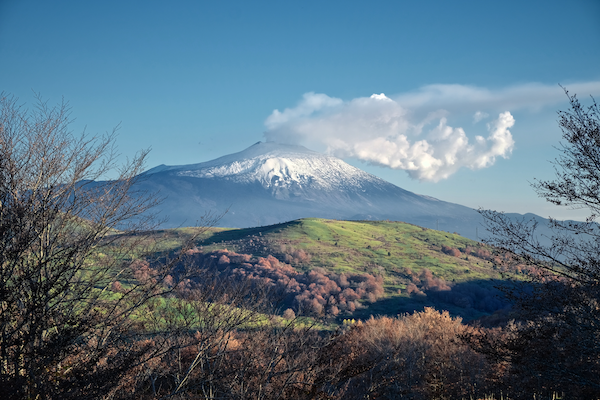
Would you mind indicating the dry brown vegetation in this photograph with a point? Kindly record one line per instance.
(316, 292)
(417, 356)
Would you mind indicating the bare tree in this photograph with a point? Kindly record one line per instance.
(65, 238)
(556, 347)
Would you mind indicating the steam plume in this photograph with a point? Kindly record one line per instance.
(382, 131)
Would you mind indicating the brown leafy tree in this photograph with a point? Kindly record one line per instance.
(556, 347)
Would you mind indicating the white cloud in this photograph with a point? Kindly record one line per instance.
(462, 98)
(396, 131)
(478, 116)
(381, 96)
(310, 104)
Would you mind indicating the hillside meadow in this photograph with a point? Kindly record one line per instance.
(401, 267)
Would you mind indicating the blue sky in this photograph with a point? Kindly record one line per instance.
(195, 80)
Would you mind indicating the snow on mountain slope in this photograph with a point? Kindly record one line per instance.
(282, 169)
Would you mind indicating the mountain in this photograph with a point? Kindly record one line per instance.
(269, 183)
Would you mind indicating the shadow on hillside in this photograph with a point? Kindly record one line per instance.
(237, 234)
(469, 300)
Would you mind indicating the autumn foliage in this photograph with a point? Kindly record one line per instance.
(316, 292)
(419, 356)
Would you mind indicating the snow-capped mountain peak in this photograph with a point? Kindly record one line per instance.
(269, 183)
(283, 169)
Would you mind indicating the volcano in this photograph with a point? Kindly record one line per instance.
(270, 183)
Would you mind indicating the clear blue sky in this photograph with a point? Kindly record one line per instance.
(195, 80)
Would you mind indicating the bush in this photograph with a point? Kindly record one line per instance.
(417, 356)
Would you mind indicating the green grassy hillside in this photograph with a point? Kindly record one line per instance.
(419, 267)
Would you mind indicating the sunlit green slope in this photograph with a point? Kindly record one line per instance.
(446, 270)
